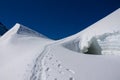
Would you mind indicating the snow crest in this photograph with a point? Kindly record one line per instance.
(87, 41)
(22, 30)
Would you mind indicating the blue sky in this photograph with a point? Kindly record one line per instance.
(55, 18)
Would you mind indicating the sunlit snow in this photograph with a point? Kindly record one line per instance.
(91, 54)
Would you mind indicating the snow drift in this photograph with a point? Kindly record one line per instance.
(91, 37)
(92, 54)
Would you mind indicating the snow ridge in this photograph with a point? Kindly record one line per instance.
(21, 30)
(63, 59)
(81, 41)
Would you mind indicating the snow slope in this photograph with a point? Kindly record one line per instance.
(62, 64)
(70, 59)
(92, 54)
(19, 51)
(82, 40)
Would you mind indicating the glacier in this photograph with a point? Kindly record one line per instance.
(91, 54)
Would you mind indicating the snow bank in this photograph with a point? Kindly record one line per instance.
(110, 43)
(86, 41)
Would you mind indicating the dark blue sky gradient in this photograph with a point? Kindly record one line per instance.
(55, 18)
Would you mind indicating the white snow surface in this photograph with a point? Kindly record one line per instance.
(92, 54)
(18, 52)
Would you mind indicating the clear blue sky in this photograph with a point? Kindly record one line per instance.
(55, 18)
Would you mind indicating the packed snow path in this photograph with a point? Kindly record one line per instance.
(37, 69)
(45, 63)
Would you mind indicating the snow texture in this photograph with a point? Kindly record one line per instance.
(92, 54)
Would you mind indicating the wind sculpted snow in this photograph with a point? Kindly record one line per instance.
(92, 54)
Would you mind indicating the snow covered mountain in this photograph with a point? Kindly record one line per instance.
(92, 54)
(19, 49)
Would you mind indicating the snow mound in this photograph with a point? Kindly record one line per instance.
(21, 30)
(110, 43)
(87, 40)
